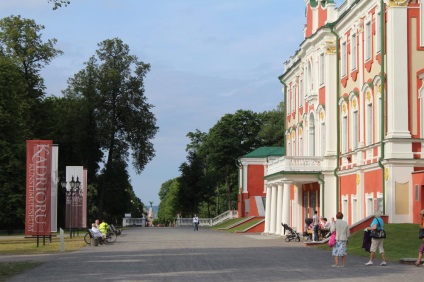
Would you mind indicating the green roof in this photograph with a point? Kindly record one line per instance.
(264, 152)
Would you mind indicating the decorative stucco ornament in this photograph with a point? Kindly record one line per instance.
(396, 3)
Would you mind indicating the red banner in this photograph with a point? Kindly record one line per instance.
(38, 187)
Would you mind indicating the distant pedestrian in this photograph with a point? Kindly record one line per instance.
(342, 234)
(196, 223)
(421, 248)
(315, 219)
(377, 224)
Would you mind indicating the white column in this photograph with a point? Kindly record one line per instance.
(286, 204)
(397, 72)
(279, 208)
(267, 209)
(273, 209)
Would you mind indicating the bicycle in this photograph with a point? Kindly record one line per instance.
(110, 237)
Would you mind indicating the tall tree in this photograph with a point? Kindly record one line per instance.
(13, 133)
(232, 137)
(20, 40)
(169, 205)
(114, 82)
(273, 127)
(22, 55)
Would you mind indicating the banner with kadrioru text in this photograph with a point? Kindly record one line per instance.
(38, 187)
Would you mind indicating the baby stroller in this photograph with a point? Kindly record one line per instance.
(290, 233)
(307, 235)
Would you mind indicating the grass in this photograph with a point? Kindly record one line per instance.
(240, 227)
(9, 269)
(401, 242)
(17, 245)
(227, 223)
(244, 226)
(21, 246)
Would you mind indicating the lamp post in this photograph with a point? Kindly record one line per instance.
(74, 187)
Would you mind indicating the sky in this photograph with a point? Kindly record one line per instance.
(208, 58)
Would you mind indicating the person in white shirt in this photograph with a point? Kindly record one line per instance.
(96, 232)
(315, 219)
(196, 223)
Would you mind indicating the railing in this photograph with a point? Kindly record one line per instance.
(207, 221)
(223, 216)
(295, 164)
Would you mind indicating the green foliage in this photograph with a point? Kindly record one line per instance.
(208, 183)
(120, 120)
(169, 205)
(22, 55)
(103, 112)
(58, 3)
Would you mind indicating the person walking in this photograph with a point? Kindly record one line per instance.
(342, 234)
(196, 223)
(315, 219)
(421, 248)
(376, 224)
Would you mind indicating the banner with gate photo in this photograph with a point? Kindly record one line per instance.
(76, 200)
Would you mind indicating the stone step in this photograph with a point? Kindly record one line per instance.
(409, 260)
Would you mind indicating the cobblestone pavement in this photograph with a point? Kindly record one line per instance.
(179, 254)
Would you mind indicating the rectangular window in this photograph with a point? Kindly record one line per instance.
(378, 33)
(353, 51)
(322, 139)
(417, 196)
(355, 130)
(321, 69)
(368, 41)
(344, 137)
(301, 93)
(300, 146)
(369, 124)
(343, 60)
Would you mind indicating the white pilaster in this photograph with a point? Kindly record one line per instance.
(331, 95)
(286, 204)
(267, 209)
(279, 208)
(273, 209)
(397, 72)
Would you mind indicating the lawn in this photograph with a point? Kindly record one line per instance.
(401, 242)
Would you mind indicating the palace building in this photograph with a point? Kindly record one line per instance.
(354, 96)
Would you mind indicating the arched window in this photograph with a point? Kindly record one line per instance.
(354, 122)
(311, 140)
(322, 134)
(300, 132)
(377, 110)
(309, 85)
(369, 124)
(344, 126)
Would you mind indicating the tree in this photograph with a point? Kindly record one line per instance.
(58, 3)
(232, 137)
(13, 133)
(273, 127)
(20, 41)
(113, 84)
(169, 205)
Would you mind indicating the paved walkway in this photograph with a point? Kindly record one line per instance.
(179, 254)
